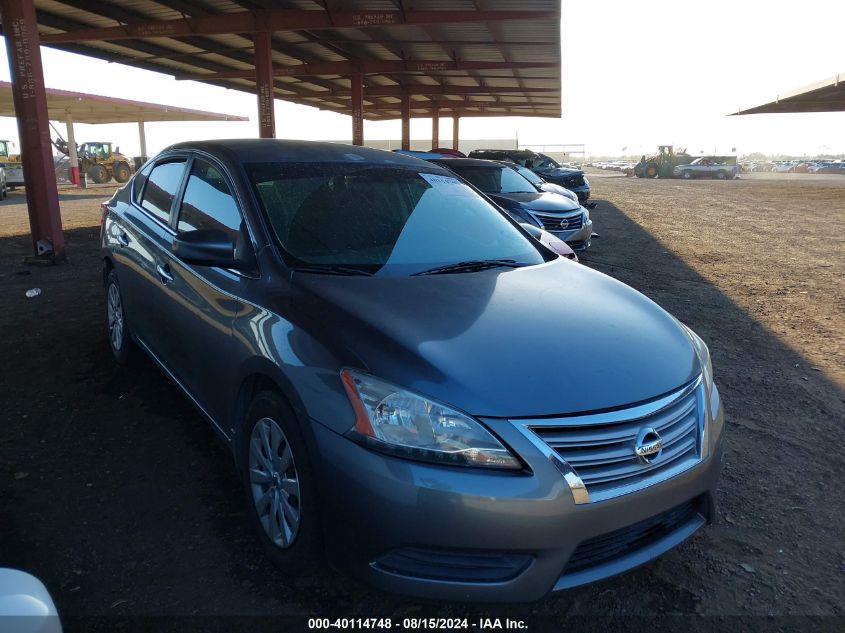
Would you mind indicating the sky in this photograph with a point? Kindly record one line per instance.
(632, 79)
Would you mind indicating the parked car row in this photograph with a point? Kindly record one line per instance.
(412, 386)
(814, 166)
(625, 166)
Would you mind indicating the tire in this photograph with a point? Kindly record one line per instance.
(98, 174)
(687, 174)
(120, 340)
(276, 472)
(121, 172)
(721, 175)
(651, 171)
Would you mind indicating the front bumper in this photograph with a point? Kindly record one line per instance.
(523, 526)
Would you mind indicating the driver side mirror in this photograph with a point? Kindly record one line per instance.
(205, 247)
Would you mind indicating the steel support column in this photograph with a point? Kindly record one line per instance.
(435, 129)
(357, 80)
(264, 84)
(142, 135)
(71, 149)
(406, 121)
(456, 137)
(42, 197)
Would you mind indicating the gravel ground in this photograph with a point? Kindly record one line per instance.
(115, 493)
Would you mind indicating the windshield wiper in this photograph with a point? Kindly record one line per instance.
(333, 269)
(471, 266)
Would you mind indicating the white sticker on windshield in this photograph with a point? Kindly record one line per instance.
(448, 185)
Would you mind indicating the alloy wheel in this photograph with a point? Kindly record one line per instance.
(114, 310)
(274, 482)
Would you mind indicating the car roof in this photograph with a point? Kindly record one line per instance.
(467, 162)
(278, 150)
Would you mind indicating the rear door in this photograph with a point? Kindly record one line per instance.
(199, 303)
(139, 234)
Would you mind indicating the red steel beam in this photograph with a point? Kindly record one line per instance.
(20, 27)
(460, 105)
(372, 66)
(264, 85)
(422, 89)
(357, 80)
(286, 20)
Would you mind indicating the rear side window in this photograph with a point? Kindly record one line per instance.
(208, 202)
(161, 188)
(138, 184)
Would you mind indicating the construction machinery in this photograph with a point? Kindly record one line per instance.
(97, 160)
(12, 164)
(661, 164)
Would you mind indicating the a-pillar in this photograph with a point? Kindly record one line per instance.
(71, 149)
(435, 129)
(142, 136)
(357, 80)
(406, 121)
(263, 48)
(20, 27)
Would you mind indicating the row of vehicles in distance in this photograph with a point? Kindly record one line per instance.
(812, 166)
(531, 188)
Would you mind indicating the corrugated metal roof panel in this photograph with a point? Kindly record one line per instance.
(193, 53)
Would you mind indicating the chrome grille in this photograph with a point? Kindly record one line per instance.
(558, 223)
(599, 448)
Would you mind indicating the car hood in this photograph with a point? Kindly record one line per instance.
(541, 340)
(545, 201)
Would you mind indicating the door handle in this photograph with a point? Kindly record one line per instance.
(123, 238)
(164, 273)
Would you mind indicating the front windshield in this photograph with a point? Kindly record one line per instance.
(529, 175)
(381, 220)
(493, 179)
(548, 161)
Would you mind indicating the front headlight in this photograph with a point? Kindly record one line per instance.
(586, 215)
(396, 421)
(703, 358)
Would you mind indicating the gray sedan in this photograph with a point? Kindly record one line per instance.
(397, 369)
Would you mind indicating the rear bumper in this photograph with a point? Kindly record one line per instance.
(472, 535)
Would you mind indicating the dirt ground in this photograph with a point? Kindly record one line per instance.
(117, 494)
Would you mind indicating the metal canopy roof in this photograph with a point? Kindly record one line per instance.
(85, 108)
(823, 96)
(464, 57)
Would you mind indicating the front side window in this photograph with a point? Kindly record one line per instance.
(208, 202)
(382, 220)
(161, 188)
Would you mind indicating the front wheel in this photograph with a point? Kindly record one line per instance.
(687, 174)
(651, 171)
(120, 341)
(279, 484)
(121, 172)
(721, 175)
(98, 174)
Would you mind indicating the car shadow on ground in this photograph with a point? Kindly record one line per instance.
(118, 495)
